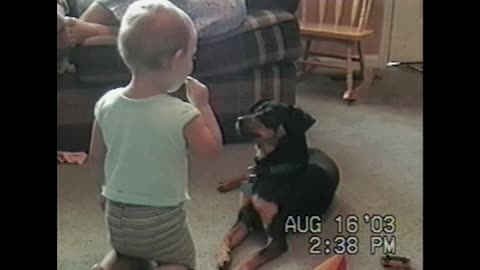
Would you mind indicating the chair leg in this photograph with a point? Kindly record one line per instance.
(362, 60)
(348, 94)
(307, 49)
(368, 75)
(306, 53)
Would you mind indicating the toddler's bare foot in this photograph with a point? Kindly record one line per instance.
(63, 36)
(97, 267)
(112, 261)
(77, 30)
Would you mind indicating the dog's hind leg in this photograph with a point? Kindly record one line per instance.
(273, 224)
(276, 246)
(234, 237)
(267, 210)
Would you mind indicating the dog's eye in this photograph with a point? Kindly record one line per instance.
(269, 120)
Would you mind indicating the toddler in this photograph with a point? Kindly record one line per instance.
(141, 136)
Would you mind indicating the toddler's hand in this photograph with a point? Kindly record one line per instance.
(197, 93)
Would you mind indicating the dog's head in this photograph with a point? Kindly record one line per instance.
(268, 121)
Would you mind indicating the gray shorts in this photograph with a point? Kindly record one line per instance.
(155, 234)
(211, 17)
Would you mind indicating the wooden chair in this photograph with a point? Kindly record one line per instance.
(352, 34)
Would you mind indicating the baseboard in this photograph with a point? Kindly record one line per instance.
(371, 61)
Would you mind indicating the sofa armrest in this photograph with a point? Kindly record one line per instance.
(77, 7)
(288, 5)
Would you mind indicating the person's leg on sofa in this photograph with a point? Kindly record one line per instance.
(99, 14)
(81, 31)
(97, 22)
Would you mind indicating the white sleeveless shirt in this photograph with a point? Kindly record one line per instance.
(146, 161)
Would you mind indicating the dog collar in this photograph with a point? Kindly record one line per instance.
(284, 168)
(280, 169)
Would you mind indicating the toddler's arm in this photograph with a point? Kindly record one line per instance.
(96, 158)
(202, 133)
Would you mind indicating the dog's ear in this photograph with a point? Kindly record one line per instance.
(258, 104)
(300, 121)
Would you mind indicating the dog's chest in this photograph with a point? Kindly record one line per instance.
(247, 188)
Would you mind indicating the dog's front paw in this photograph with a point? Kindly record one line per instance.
(223, 258)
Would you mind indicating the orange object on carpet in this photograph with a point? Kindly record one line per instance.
(337, 262)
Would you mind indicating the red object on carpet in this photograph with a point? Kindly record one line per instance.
(71, 157)
(337, 262)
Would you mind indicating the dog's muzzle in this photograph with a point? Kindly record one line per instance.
(243, 126)
(240, 125)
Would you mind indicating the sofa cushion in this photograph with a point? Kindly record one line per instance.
(231, 95)
(234, 93)
(77, 7)
(266, 37)
(288, 5)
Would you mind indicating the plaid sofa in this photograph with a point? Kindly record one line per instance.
(255, 61)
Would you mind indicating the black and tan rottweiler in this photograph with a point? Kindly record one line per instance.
(287, 180)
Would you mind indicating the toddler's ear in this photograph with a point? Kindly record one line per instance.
(175, 60)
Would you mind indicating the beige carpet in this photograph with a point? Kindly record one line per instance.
(377, 144)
